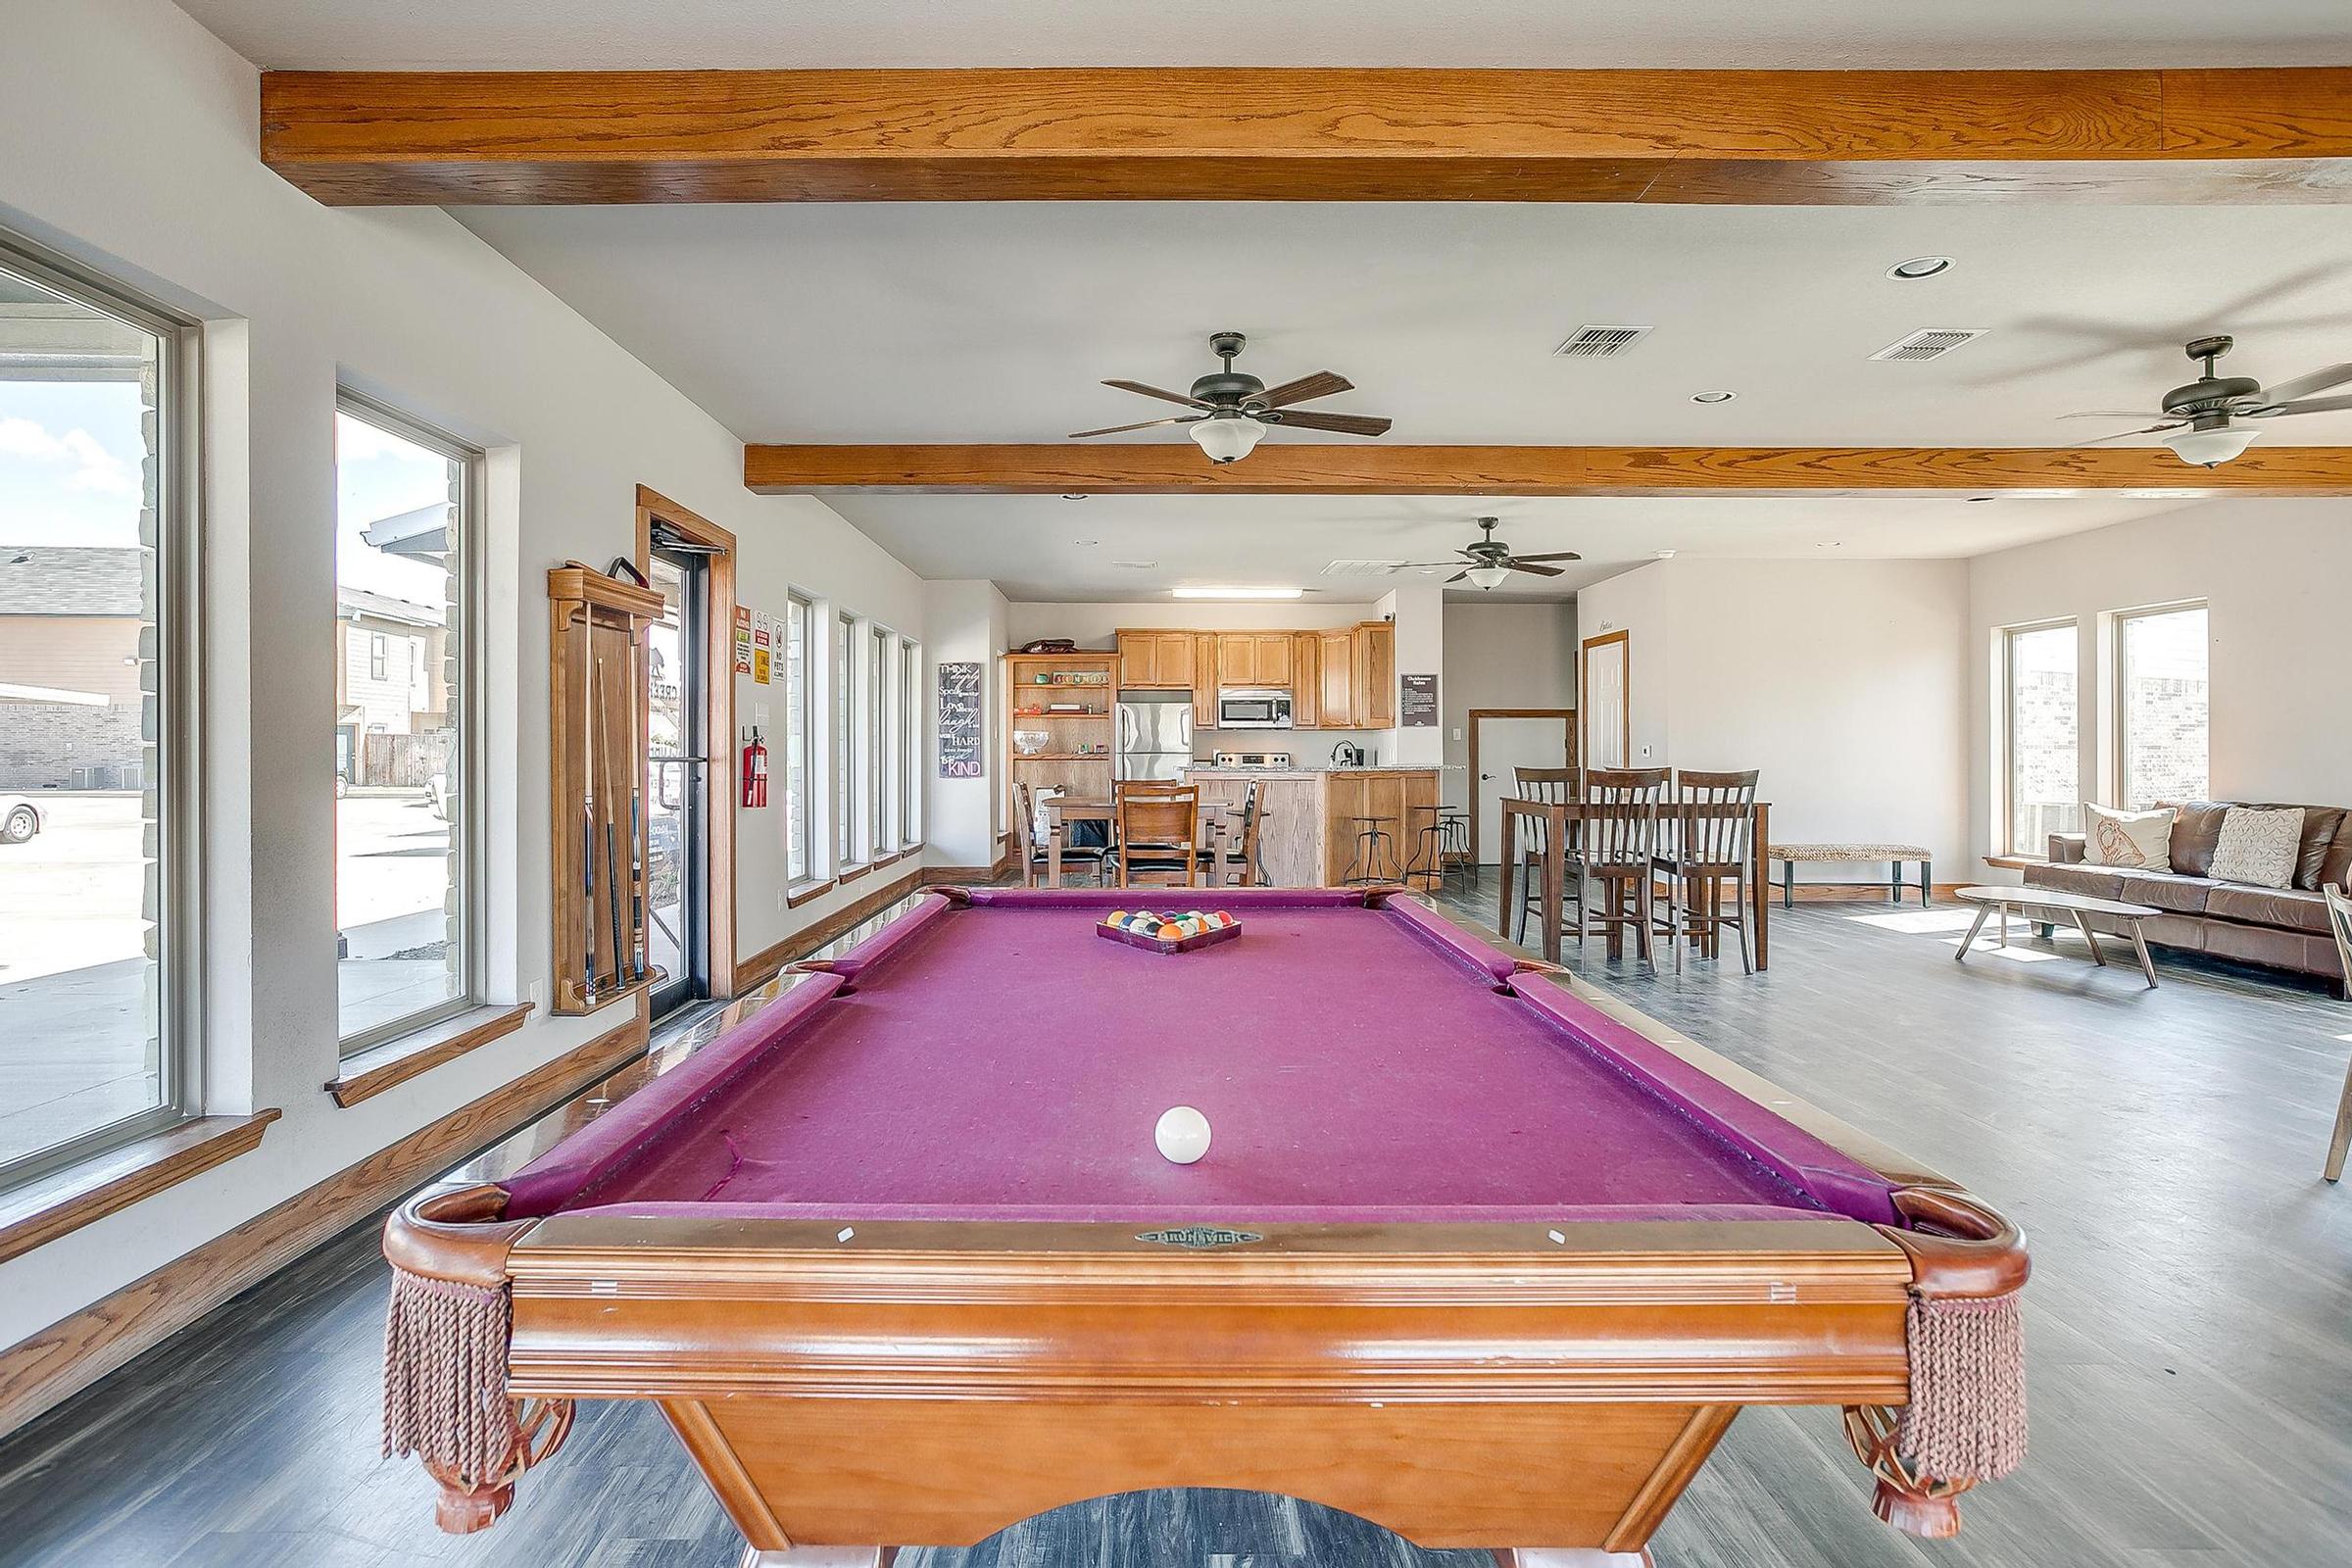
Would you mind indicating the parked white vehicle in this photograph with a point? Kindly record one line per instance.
(20, 819)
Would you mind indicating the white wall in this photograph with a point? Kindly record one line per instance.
(1503, 653)
(1418, 609)
(969, 623)
(129, 138)
(1844, 682)
(2274, 574)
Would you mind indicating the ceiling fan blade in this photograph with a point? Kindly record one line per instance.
(1342, 423)
(1552, 555)
(1321, 384)
(2303, 386)
(2126, 435)
(2115, 414)
(1458, 577)
(1525, 564)
(1165, 396)
(2304, 406)
(1147, 424)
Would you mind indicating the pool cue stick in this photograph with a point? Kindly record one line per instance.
(604, 735)
(588, 845)
(636, 785)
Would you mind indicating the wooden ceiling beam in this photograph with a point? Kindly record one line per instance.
(1771, 137)
(1278, 468)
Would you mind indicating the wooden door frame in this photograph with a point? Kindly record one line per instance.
(1568, 738)
(718, 721)
(1583, 687)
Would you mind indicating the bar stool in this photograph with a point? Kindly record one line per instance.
(1456, 823)
(1371, 833)
(1429, 849)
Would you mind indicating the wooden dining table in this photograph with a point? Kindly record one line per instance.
(1061, 809)
(1556, 815)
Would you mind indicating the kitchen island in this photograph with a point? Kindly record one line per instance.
(1305, 838)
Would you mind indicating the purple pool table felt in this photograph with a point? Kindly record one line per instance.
(1357, 1065)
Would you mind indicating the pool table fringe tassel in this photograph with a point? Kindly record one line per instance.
(1967, 1416)
(445, 1376)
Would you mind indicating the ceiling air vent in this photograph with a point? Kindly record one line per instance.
(1600, 342)
(1929, 343)
(1361, 569)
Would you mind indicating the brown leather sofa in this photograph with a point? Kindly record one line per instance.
(2283, 927)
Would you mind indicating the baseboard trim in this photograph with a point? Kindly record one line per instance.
(44, 1369)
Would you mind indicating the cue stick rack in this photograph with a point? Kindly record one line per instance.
(598, 691)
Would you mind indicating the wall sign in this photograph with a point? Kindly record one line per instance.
(743, 639)
(958, 719)
(1417, 701)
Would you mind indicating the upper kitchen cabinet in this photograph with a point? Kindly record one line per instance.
(1161, 658)
(1204, 682)
(1374, 675)
(1253, 659)
(1335, 678)
(1306, 683)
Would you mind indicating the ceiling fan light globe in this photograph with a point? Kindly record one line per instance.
(1227, 437)
(1490, 577)
(2210, 449)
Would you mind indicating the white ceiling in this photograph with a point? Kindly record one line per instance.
(971, 322)
(1045, 548)
(1795, 34)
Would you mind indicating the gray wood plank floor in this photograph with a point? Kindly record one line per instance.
(2190, 1319)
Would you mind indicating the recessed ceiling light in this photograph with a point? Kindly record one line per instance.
(1829, 544)
(1918, 267)
(1713, 397)
(1238, 592)
(1073, 495)
(1085, 544)
(1978, 501)
(1663, 555)
(1136, 565)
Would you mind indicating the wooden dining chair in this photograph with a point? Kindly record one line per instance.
(1156, 831)
(1617, 849)
(2339, 921)
(1549, 786)
(1036, 826)
(1707, 836)
(1232, 861)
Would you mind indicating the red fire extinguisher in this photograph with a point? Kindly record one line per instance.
(754, 772)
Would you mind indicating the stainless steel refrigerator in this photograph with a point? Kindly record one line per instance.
(1155, 735)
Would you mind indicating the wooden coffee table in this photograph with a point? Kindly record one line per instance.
(2078, 905)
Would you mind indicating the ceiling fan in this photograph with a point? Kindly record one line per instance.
(2199, 417)
(1489, 562)
(1236, 407)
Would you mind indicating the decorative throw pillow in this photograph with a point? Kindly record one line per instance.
(2140, 840)
(2259, 845)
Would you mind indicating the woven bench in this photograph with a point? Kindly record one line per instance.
(1896, 857)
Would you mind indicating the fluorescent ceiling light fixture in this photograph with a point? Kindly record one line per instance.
(2210, 449)
(1489, 577)
(1918, 267)
(1238, 592)
(1227, 437)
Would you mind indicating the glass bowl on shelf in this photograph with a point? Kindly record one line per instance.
(1031, 742)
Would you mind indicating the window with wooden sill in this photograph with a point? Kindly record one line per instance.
(370, 1072)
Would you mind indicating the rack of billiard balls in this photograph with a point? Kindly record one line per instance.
(1167, 932)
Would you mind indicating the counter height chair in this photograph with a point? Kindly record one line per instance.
(1548, 786)
(1708, 835)
(2339, 920)
(1618, 848)
(1156, 831)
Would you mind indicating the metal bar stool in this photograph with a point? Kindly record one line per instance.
(1371, 833)
(1429, 849)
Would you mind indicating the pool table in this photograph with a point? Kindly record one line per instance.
(1484, 1258)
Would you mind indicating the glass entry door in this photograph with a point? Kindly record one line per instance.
(678, 766)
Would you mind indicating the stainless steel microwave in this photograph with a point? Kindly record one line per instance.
(1253, 708)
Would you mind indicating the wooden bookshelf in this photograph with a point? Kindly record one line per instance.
(1076, 755)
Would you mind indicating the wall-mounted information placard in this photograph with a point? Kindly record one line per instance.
(1417, 703)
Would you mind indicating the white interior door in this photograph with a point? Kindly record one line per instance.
(1601, 703)
(1506, 744)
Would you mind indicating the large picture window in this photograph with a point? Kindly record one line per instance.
(2041, 727)
(405, 774)
(910, 742)
(877, 767)
(799, 627)
(2160, 706)
(845, 816)
(97, 723)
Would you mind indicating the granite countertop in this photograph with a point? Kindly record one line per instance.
(1295, 772)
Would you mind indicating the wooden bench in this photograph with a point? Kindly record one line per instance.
(1895, 855)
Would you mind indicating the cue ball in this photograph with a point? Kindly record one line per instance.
(1182, 1133)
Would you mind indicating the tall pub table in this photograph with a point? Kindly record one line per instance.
(1555, 815)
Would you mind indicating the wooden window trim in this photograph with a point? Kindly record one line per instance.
(850, 873)
(800, 892)
(396, 1061)
(81, 1194)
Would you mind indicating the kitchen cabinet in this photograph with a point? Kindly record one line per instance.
(1157, 658)
(1375, 670)
(1304, 836)
(1253, 659)
(1204, 679)
(1335, 677)
(1392, 793)
(1306, 681)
